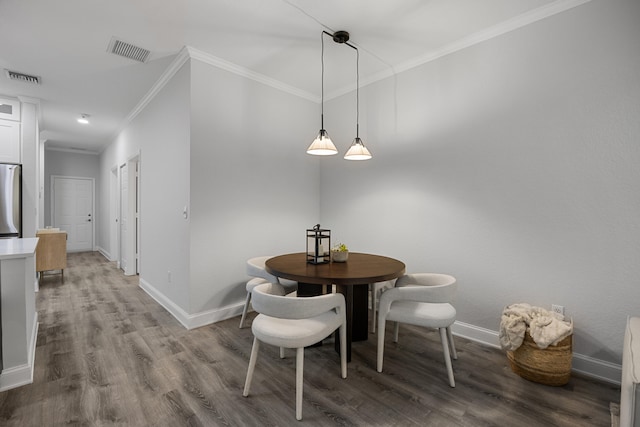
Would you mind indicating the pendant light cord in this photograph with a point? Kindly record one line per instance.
(357, 93)
(322, 82)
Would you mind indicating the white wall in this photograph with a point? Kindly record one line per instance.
(160, 135)
(232, 151)
(77, 165)
(512, 165)
(254, 190)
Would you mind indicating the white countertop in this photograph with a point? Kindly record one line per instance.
(17, 248)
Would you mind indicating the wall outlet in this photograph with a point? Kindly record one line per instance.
(559, 309)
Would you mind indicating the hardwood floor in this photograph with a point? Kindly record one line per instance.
(107, 354)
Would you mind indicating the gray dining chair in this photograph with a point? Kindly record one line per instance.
(288, 322)
(421, 299)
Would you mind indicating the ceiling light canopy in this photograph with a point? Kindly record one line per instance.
(84, 119)
(322, 145)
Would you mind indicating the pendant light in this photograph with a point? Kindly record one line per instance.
(322, 145)
(357, 151)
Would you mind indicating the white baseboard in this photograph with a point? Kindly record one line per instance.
(104, 253)
(16, 377)
(191, 321)
(476, 333)
(21, 375)
(594, 368)
(589, 366)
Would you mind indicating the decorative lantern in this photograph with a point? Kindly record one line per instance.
(318, 245)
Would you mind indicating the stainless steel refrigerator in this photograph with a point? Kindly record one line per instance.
(10, 201)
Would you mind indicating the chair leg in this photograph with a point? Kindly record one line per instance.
(452, 346)
(447, 356)
(281, 352)
(299, 381)
(343, 350)
(381, 329)
(252, 365)
(396, 331)
(374, 303)
(245, 309)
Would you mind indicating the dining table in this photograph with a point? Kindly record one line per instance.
(351, 278)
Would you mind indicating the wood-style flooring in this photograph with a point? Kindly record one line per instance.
(107, 354)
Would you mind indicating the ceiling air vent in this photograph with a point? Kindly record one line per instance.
(13, 75)
(118, 47)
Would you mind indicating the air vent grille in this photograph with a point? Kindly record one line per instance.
(13, 75)
(120, 48)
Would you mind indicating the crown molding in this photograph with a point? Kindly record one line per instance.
(512, 24)
(181, 58)
(188, 52)
(245, 72)
(29, 100)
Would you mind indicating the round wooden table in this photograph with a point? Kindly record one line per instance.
(351, 279)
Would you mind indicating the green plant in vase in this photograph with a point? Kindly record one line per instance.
(340, 253)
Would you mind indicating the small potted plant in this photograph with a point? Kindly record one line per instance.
(340, 253)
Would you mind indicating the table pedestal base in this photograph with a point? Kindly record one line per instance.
(356, 301)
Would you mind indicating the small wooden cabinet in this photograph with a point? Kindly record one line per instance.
(51, 253)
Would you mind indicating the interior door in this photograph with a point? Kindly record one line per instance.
(73, 211)
(129, 217)
(124, 207)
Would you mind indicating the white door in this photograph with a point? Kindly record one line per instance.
(136, 212)
(114, 247)
(124, 207)
(73, 211)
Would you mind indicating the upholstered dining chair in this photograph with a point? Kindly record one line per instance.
(295, 323)
(256, 269)
(375, 290)
(421, 299)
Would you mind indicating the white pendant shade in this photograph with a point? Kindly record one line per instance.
(357, 151)
(322, 145)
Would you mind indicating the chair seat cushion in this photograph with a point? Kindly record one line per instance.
(281, 288)
(255, 282)
(294, 333)
(426, 314)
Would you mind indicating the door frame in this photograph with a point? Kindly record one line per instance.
(114, 215)
(93, 203)
(132, 239)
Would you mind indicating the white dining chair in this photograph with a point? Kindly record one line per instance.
(421, 299)
(255, 268)
(375, 289)
(288, 322)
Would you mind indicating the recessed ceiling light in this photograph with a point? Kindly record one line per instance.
(84, 119)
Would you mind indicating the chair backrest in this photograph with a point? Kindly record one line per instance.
(264, 301)
(429, 287)
(256, 268)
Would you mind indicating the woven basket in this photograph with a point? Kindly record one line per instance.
(551, 366)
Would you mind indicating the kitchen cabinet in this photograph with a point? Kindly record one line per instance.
(9, 141)
(18, 315)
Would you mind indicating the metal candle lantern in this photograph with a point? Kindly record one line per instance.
(318, 245)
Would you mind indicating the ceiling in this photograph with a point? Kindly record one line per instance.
(65, 44)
